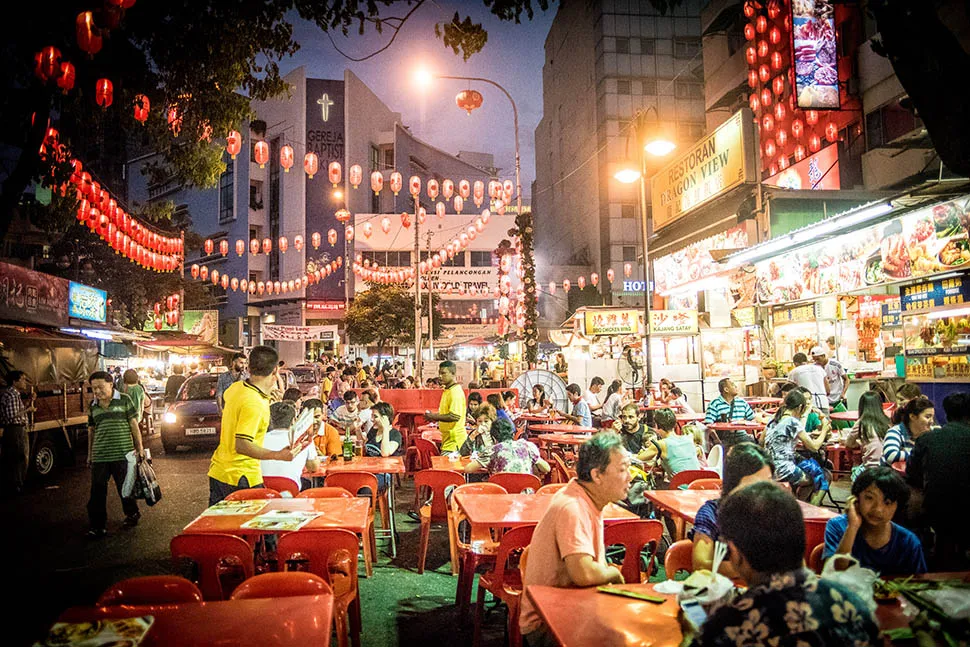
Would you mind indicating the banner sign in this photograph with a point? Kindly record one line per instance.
(795, 314)
(27, 296)
(924, 242)
(694, 261)
(297, 333)
(611, 322)
(713, 166)
(673, 322)
(819, 172)
(85, 302)
(924, 296)
(892, 313)
(202, 323)
(325, 306)
(815, 54)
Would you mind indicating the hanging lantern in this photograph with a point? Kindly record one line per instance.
(311, 164)
(761, 24)
(208, 246)
(831, 131)
(267, 246)
(447, 189)
(214, 275)
(349, 233)
(508, 190)
(566, 284)
(778, 85)
(332, 237)
(286, 157)
(240, 247)
(610, 275)
(552, 287)
(253, 246)
(766, 98)
(468, 100)
(797, 128)
(752, 78)
(777, 61)
(769, 148)
(203, 271)
(464, 189)
(315, 239)
(463, 239)
(342, 215)
(494, 189)
(440, 209)
(764, 73)
(627, 270)
(749, 8)
(768, 123)
(368, 230)
(799, 153)
(277, 287)
(195, 270)
(260, 288)
(486, 214)
(224, 247)
(433, 189)
(247, 286)
(261, 153)
(780, 112)
(234, 284)
(174, 118)
(141, 107)
(414, 185)
(405, 219)
(581, 282)
(284, 244)
(751, 54)
(781, 137)
(782, 162)
(755, 103)
(763, 49)
(103, 93)
(291, 285)
(298, 242)
(594, 278)
(355, 175)
(811, 117)
(224, 281)
(479, 225)
(749, 32)
(422, 215)
(385, 224)
(233, 143)
(459, 203)
(88, 35)
(376, 182)
(774, 35)
(814, 143)
(397, 182)
(334, 173)
(159, 323)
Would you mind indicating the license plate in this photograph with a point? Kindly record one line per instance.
(200, 431)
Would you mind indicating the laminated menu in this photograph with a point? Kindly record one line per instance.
(281, 520)
(120, 632)
(254, 506)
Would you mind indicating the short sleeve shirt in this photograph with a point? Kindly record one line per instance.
(780, 439)
(903, 555)
(280, 439)
(572, 525)
(112, 428)
(812, 377)
(519, 456)
(835, 378)
(581, 410)
(394, 435)
(453, 434)
(246, 416)
(705, 522)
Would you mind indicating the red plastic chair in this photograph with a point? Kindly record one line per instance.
(679, 557)
(434, 481)
(354, 482)
(514, 483)
(815, 559)
(281, 484)
(218, 557)
(329, 553)
(504, 582)
(705, 484)
(150, 590)
(426, 449)
(325, 493)
(253, 493)
(634, 536)
(477, 552)
(688, 476)
(551, 488)
(281, 585)
(562, 473)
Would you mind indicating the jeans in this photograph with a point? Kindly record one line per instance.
(219, 490)
(98, 503)
(14, 456)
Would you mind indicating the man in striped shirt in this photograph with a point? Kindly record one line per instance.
(728, 407)
(112, 433)
(13, 418)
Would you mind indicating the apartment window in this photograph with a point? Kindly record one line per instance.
(481, 259)
(688, 90)
(889, 123)
(622, 45)
(226, 211)
(388, 259)
(274, 207)
(647, 46)
(628, 211)
(256, 195)
(623, 86)
(629, 253)
(648, 86)
(686, 47)
(689, 131)
(255, 233)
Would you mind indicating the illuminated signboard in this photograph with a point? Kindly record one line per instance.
(85, 302)
(819, 171)
(673, 322)
(611, 322)
(815, 54)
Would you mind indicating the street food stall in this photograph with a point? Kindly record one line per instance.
(936, 328)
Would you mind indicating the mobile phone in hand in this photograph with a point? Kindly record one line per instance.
(694, 614)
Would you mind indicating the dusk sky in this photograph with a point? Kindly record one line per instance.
(513, 57)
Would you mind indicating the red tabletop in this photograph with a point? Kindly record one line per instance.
(445, 463)
(690, 417)
(556, 428)
(562, 439)
(763, 402)
(686, 503)
(581, 617)
(737, 426)
(657, 407)
(372, 464)
(291, 621)
(414, 412)
(537, 417)
(508, 510)
(350, 514)
(846, 416)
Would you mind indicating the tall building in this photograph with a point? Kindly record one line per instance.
(341, 121)
(605, 61)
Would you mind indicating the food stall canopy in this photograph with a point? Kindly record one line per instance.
(184, 344)
(475, 341)
(47, 357)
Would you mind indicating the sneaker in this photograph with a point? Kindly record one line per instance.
(96, 533)
(414, 515)
(132, 521)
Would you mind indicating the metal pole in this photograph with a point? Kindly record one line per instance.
(646, 253)
(431, 288)
(417, 292)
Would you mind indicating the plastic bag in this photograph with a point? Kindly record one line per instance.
(131, 476)
(146, 486)
(856, 578)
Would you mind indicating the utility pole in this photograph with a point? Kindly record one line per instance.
(417, 291)
(431, 288)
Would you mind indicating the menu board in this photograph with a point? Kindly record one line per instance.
(892, 313)
(695, 261)
(924, 296)
(796, 314)
(815, 54)
(921, 243)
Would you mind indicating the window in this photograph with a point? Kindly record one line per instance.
(649, 86)
(622, 45)
(888, 123)
(647, 46)
(274, 207)
(623, 86)
(457, 261)
(481, 259)
(226, 203)
(688, 90)
(628, 211)
(686, 47)
(375, 158)
(388, 259)
(689, 132)
(256, 195)
(629, 253)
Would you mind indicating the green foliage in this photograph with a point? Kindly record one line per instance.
(384, 314)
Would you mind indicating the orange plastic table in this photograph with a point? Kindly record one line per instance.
(562, 439)
(581, 617)
(537, 417)
(286, 622)
(349, 514)
(763, 402)
(737, 426)
(845, 416)
(445, 463)
(557, 428)
(509, 510)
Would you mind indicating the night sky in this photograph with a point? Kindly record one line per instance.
(513, 57)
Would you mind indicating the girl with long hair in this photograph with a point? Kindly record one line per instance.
(868, 431)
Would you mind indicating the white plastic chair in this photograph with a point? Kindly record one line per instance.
(714, 458)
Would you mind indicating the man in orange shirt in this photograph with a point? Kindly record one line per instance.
(325, 436)
(567, 546)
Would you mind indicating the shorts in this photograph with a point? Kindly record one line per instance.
(797, 477)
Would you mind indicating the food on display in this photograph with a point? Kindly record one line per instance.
(816, 60)
(956, 252)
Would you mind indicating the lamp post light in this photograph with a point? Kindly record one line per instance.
(649, 140)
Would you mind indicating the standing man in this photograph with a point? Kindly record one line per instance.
(174, 382)
(451, 410)
(112, 433)
(13, 417)
(236, 372)
(812, 377)
(245, 419)
(836, 379)
(567, 545)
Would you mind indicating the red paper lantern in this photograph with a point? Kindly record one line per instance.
(831, 131)
(814, 143)
(195, 271)
(464, 189)
(478, 192)
(811, 117)
(777, 60)
(778, 85)
(277, 288)
(770, 148)
(355, 175)
(768, 123)
(159, 323)
(405, 219)
(781, 137)
(311, 164)
(749, 31)
(224, 281)
(260, 288)
(286, 157)
(233, 143)
(749, 8)
(774, 8)
(254, 246)
(88, 35)
(766, 97)
(610, 275)
(763, 49)
(479, 225)
(780, 112)
(566, 284)
(764, 73)
(334, 173)
(141, 108)
(267, 245)
(594, 278)
(332, 237)
(174, 119)
(65, 76)
(447, 189)
(422, 215)
(385, 224)
(240, 247)
(797, 128)
(440, 209)
(414, 185)
(342, 215)
(761, 24)
(368, 230)
(752, 78)
(208, 246)
(782, 162)
(203, 271)
(751, 54)
(298, 242)
(376, 182)
(397, 182)
(224, 247)
(459, 203)
(468, 100)
(349, 233)
(261, 153)
(315, 239)
(774, 35)
(103, 93)
(283, 244)
(755, 103)
(627, 270)
(433, 189)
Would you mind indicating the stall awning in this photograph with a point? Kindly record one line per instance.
(183, 344)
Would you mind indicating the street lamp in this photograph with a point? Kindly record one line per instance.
(657, 144)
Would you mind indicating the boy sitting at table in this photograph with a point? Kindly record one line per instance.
(281, 417)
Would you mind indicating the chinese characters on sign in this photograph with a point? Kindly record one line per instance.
(32, 297)
(611, 322)
(924, 296)
(85, 302)
(673, 322)
(819, 172)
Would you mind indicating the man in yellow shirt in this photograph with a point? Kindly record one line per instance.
(245, 419)
(451, 410)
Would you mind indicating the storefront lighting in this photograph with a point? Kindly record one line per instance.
(945, 314)
(627, 175)
(660, 147)
(700, 285)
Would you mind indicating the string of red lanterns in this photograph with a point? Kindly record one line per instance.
(227, 282)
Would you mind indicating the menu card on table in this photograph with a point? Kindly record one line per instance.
(254, 506)
(99, 633)
(281, 520)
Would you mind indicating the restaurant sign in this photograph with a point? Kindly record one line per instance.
(27, 296)
(946, 292)
(85, 302)
(694, 261)
(795, 314)
(611, 322)
(673, 322)
(924, 242)
(713, 166)
(891, 312)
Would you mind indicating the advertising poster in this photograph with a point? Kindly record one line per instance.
(921, 243)
(815, 54)
(694, 261)
(32, 297)
(202, 323)
(611, 322)
(85, 302)
(325, 137)
(819, 172)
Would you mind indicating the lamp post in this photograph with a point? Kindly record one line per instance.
(657, 145)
